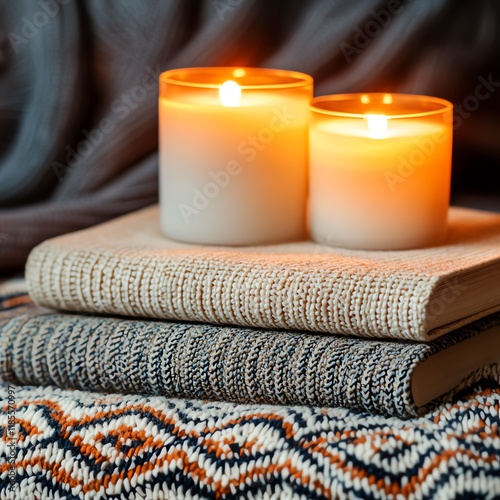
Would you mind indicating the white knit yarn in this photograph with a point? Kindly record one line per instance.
(127, 267)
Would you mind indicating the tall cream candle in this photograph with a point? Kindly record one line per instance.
(233, 155)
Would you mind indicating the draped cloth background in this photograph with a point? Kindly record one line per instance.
(67, 65)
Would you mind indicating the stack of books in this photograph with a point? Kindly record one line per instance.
(299, 323)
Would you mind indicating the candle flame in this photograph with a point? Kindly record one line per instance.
(230, 94)
(377, 126)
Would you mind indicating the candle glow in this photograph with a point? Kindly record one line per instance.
(380, 168)
(233, 155)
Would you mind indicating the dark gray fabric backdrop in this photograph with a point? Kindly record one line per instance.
(65, 65)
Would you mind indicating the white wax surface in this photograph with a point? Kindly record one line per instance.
(396, 127)
(263, 199)
(211, 98)
(389, 193)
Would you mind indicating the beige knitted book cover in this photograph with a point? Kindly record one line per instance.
(127, 267)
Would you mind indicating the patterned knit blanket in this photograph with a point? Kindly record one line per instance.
(72, 444)
(80, 445)
(110, 354)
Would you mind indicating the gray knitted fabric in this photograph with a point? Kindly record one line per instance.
(41, 347)
(67, 65)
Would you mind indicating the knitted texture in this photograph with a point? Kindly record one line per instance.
(79, 445)
(41, 347)
(127, 267)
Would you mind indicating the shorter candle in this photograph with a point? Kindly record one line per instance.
(380, 169)
(233, 155)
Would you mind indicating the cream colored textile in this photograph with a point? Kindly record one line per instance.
(128, 267)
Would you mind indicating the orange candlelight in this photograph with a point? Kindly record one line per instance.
(233, 155)
(380, 168)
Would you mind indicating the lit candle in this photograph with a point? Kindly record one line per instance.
(380, 168)
(234, 155)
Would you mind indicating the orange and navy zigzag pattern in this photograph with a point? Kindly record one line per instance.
(89, 445)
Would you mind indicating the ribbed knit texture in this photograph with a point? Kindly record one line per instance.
(127, 267)
(80, 445)
(104, 354)
(67, 67)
